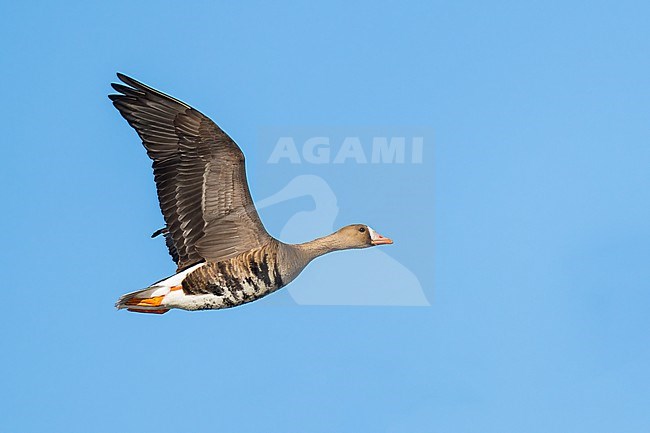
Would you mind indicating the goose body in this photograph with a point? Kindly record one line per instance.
(223, 253)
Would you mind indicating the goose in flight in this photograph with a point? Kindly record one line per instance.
(224, 255)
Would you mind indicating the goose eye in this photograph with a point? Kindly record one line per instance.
(362, 229)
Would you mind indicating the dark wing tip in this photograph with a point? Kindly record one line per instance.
(126, 79)
(121, 88)
(135, 84)
(124, 90)
(132, 85)
(142, 90)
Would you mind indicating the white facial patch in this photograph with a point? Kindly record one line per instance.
(373, 234)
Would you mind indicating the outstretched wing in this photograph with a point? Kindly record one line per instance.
(200, 176)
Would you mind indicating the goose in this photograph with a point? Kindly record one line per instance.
(224, 255)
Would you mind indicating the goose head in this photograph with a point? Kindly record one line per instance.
(360, 236)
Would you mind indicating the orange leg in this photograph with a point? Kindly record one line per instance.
(146, 302)
(158, 311)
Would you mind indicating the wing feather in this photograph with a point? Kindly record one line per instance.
(200, 176)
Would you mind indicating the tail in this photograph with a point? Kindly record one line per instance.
(149, 300)
(158, 298)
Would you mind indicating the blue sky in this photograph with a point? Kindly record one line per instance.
(525, 225)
